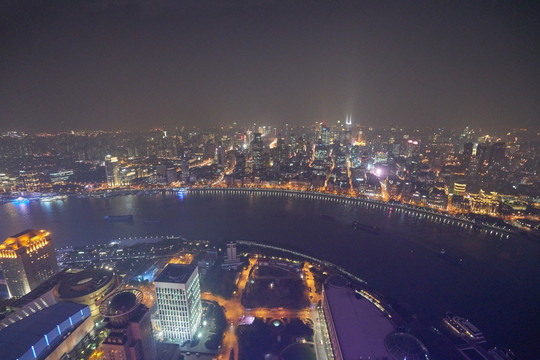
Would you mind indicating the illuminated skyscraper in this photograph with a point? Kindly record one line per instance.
(27, 259)
(185, 167)
(178, 296)
(111, 170)
(325, 134)
(348, 126)
(459, 189)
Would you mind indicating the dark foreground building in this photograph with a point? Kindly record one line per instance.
(359, 328)
(130, 326)
(47, 334)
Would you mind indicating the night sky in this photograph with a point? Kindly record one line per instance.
(99, 64)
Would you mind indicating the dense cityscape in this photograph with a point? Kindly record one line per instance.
(482, 180)
(269, 180)
(468, 171)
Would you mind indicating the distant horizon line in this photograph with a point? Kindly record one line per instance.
(248, 127)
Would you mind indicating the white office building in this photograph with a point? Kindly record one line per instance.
(178, 295)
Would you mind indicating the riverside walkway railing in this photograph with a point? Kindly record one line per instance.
(430, 214)
(302, 255)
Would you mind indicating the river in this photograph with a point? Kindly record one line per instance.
(496, 287)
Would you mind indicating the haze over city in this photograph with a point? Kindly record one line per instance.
(144, 64)
(269, 180)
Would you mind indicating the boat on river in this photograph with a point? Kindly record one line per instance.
(443, 254)
(464, 328)
(359, 226)
(152, 221)
(118, 217)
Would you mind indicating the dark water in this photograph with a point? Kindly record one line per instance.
(497, 287)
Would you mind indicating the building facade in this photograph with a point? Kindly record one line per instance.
(178, 296)
(27, 259)
(111, 170)
(257, 147)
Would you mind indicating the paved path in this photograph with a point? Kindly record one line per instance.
(234, 311)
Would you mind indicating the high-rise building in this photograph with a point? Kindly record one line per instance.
(231, 252)
(27, 259)
(348, 126)
(178, 296)
(240, 166)
(30, 180)
(257, 149)
(111, 170)
(393, 187)
(481, 155)
(459, 189)
(467, 154)
(468, 149)
(497, 153)
(172, 175)
(185, 166)
(130, 327)
(220, 156)
(325, 134)
(231, 261)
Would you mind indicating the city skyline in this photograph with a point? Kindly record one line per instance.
(149, 64)
(269, 179)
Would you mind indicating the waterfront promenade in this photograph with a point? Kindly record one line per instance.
(428, 213)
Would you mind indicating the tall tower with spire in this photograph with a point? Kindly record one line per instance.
(348, 126)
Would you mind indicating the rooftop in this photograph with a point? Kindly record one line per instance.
(121, 303)
(405, 346)
(361, 328)
(83, 283)
(43, 288)
(123, 307)
(176, 273)
(23, 239)
(18, 338)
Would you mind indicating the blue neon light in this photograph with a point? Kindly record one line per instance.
(46, 339)
(34, 351)
(20, 200)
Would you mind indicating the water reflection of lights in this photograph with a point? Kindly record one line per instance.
(21, 206)
(20, 200)
(181, 193)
